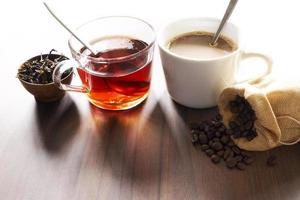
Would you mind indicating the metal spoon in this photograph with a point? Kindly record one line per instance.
(84, 43)
(226, 16)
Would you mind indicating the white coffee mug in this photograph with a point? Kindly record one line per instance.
(197, 83)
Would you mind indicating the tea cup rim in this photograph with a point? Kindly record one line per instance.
(118, 59)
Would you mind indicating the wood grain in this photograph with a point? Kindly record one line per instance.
(73, 150)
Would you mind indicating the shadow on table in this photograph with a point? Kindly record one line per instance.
(130, 141)
(137, 143)
(149, 145)
(57, 122)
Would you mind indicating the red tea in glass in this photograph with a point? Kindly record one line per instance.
(120, 81)
(118, 76)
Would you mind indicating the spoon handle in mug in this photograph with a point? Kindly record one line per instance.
(227, 14)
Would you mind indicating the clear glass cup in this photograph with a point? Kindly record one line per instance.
(117, 78)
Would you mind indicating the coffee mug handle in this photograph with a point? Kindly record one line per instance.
(58, 72)
(267, 59)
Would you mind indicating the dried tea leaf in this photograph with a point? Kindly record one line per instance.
(40, 70)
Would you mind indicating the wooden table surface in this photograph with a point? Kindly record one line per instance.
(72, 150)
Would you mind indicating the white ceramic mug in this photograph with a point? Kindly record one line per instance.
(197, 83)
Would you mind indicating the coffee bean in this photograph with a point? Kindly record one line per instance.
(214, 130)
(248, 160)
(229, 132)
(222, 129)
(236, 134)
(209, 152)
(241, 166)
(236, 150)
(272, 161)
(210, 135)
(215, 139)
(218, 134)
(248, 125)
(239, 122)
(215, 158)
(245, 111)
(203, 138)
(195, 139)
(250, 137)
(220, 153)
(243, 120)
(204, 147)
(227, 153)
(253, 131)
(245, 133)
(241, 108)
(232, 124)
(195, 132)
(195, 136)
(231, 162)
(239, 158)
(210, 143)
(244, 153)
(234, 106)
(206, 128)
(202, 132)
(248, 116)
(211, 123)
(224, 139)
(211, 129)
(217, 146)
(218, 124)
(242, 129)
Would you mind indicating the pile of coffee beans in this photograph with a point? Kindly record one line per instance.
(215, 140)
(242, 124)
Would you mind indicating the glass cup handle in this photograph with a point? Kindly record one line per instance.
(58, 72)
(267, 59)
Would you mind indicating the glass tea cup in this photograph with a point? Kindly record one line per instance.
(118, 76)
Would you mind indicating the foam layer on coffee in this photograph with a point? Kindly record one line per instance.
(196, 45)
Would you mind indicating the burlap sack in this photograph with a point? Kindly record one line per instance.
(277, 108)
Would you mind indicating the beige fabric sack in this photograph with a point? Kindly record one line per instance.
(277, 108)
